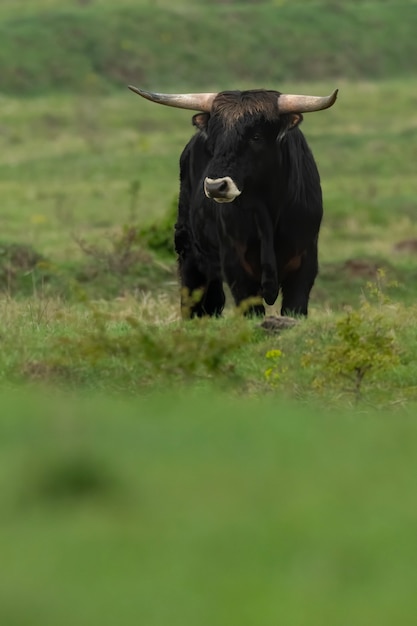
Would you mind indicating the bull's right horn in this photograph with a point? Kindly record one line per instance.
(193, 101)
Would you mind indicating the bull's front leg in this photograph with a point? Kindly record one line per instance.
(201, 295)
(245, 287)
(269, 277)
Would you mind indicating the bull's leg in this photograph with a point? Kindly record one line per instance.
(213, 299)
(246, 290)
(269, 280)
(247, 296)
(199, 297)
(297, 285)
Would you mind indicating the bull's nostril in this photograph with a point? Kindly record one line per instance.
(217, 186)
(221, 189)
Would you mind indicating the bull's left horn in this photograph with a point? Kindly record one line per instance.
(193, 101)
(288, 103)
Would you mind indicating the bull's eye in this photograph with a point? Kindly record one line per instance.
(256, 137)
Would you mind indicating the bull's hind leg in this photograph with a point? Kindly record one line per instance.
(297, 285)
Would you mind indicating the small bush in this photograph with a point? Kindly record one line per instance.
(22, 269)
(363, 345)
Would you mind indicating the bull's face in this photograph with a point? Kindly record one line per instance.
(241, 136)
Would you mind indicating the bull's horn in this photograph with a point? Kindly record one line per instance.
(288, 103)
(193, 101)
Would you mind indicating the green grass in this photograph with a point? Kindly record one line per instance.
(194, 509)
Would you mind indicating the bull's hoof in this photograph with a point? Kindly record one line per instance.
(275, 324)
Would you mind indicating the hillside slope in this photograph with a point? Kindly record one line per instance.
(94, 46)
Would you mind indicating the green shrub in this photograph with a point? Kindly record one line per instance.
(363, 345)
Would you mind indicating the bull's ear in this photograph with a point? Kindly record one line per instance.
(200, 120)
(294, 120)
(290, 121)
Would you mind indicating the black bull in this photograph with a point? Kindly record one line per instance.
(250, 203)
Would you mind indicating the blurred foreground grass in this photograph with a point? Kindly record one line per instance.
(194, 509)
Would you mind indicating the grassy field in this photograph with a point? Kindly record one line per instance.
(102, 45)
(89, 181)
(212, 472)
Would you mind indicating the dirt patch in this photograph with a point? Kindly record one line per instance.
(407, 246)
(362, 268)
(275, 324)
